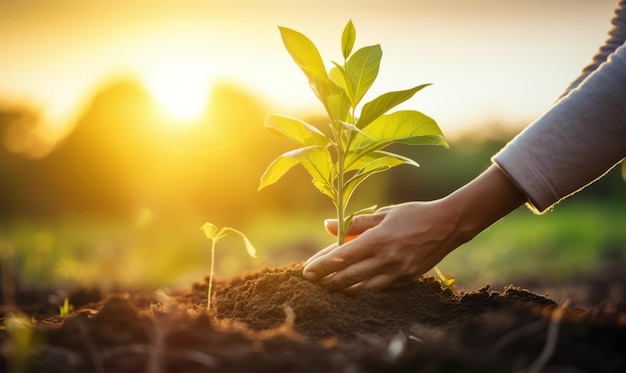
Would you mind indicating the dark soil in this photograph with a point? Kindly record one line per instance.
(275, 321)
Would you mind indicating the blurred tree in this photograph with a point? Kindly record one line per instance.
(123, 155)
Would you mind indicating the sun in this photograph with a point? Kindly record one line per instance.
(181, 89)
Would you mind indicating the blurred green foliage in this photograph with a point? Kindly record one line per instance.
(574, 238)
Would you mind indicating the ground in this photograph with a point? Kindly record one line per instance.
(273, 320)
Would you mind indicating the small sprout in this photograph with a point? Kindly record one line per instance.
(213, 234)
(446, 281)
(65, 309)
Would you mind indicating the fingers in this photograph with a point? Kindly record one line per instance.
(359, 277)
(353, 267)
(358, 225)
(358, 263)
(393, 247)
(331, 226)
(377, 282)
(351, 275)
(334, 259)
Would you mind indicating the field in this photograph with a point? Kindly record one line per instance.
(551, 249)
(567, 317)
(272, 320)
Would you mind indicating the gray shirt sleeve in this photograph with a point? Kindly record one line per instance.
(578, 139)
(616, 37)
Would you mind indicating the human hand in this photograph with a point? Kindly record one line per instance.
(399, 243)
(393, 246)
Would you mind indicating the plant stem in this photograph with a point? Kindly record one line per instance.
(342, 203)
(341, 208)
(208, 303)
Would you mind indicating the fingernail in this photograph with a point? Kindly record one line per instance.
(309, 276)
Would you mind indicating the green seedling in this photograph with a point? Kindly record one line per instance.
(446, 281)
(65, 309)
(350, 150)
(213, 234)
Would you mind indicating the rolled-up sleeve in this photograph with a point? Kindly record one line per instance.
(576, 141)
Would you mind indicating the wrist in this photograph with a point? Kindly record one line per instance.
(482, 202)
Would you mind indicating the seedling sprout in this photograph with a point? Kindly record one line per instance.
(65, 309)
(213, 234)
(446, 281)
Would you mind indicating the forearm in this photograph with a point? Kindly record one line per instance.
(482, 202)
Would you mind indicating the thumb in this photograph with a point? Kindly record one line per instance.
(358, 225)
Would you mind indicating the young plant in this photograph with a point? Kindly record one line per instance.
(446, 281)
(65, 309)
(213, 234)
(351, 149)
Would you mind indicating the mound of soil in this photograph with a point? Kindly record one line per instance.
(275, 321)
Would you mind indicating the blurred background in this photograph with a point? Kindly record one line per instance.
(125, 125)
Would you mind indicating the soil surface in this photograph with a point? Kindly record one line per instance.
(273, 320)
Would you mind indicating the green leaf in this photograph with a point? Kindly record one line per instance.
(362, 68)
(307, 57)
(337, 103)
(249, 247)
(383, 162)
(356, 160)
(343, 133)
(364, 162)
(210, 231)
(384, 103)
(318, 162)
(339, 76)
(356, 180)
(276, 170)
(387, 161)
(324, 187)
(405, 127)
(368, 210)
(446, 282)
(315, 159)
(339, 125)
(347, 39)
(295, 130)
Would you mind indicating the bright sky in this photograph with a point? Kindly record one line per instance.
(489, 60)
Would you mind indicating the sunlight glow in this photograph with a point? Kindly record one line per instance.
(180, 88)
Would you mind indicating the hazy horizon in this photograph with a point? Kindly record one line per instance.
(489, 61)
